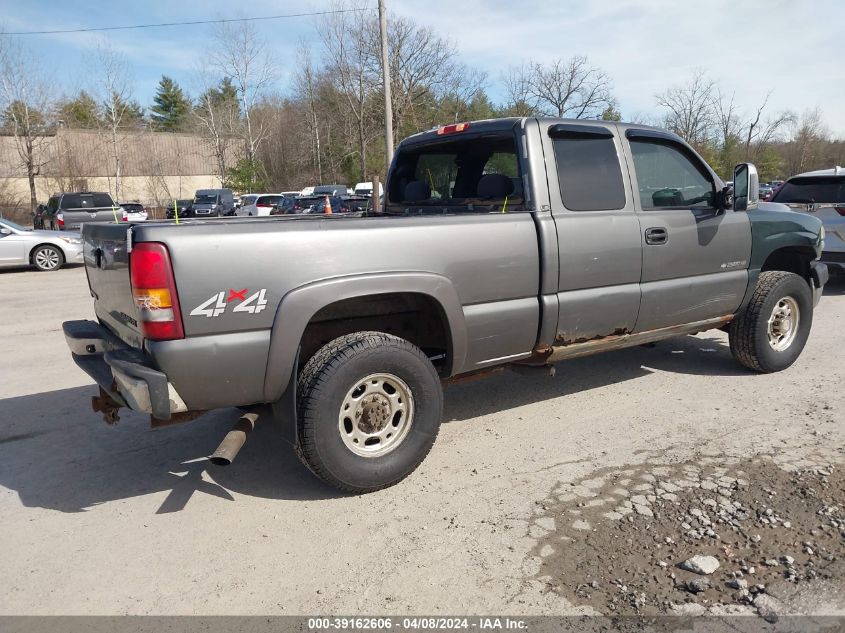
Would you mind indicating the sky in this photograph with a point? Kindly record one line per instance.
(751, 47)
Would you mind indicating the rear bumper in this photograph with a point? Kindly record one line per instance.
(125, 373)
(820, 275)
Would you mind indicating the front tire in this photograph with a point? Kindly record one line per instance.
(369, 407)
(48, 258)
(771, 332)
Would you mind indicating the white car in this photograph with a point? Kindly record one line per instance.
(258, 204)
(308, 191)
(45, 250)
(135, 211)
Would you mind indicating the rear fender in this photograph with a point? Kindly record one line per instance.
(300, 305)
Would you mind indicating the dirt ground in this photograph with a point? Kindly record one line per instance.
(542, 495)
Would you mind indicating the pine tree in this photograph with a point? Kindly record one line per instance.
(171, 107)
(80, 112)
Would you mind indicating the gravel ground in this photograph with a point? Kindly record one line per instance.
(536, 488)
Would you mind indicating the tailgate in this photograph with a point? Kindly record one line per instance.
(75, 218)
(107, 267)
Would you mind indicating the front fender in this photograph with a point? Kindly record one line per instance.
(772, 230)
(299, 305)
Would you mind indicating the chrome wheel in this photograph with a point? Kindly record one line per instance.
(47, 258)
(783, 324)
(376, 415)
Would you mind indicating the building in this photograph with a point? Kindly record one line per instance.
(155, 167)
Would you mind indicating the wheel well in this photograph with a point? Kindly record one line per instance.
(791, 260)
(415, 317)
(37, 246)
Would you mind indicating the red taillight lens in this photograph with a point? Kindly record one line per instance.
(60, 219)
(452, 129)
(154, 292)
(840, 209)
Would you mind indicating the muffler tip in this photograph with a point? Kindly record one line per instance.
(234, 440)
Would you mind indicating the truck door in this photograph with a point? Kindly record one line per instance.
(695, 256)
(599, 246)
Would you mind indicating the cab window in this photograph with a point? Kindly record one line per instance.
(668, 178)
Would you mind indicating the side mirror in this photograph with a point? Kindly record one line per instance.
(5, 231)
(746, 187)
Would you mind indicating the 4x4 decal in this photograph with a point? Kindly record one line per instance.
(217, 304)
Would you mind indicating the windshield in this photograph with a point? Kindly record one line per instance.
(817, 189)
(11, 225)
(206, 198)
(478, 174)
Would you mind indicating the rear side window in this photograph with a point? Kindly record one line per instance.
(462, 174)
(816, 189)
(589, 174)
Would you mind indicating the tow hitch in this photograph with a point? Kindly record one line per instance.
(106, 405)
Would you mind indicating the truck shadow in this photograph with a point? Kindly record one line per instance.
(57, 454)
(697, 355)
(835, 287)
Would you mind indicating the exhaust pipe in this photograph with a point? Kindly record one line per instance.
(234, 440)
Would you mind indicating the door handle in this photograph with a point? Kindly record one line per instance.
(656, 235)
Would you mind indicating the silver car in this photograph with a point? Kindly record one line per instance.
(821, 193)
(45, 250)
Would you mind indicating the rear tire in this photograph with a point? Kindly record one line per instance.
(48, 258)
(369, 407)
(771, 332)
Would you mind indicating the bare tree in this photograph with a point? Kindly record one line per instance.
(690, 108)
(117, 108)
(305, 82)
(218, 114)
(241, 55)
(520, 98)
(26, 110)
(348, 51)
(569, 88)
(808, 137)
(762, 132)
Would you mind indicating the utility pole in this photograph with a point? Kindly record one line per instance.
(385, 75)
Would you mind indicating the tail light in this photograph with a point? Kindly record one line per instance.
(840, 209)
(60, 219)
(154, 292)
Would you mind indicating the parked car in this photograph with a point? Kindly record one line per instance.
(183, 207)
(821, 194)
(366, 189)
(307, 191)
(330, 190)
(69, 211)
(548, 239)
(291, 194)
(765, 192)
(135, 211)
(213, 202)
(44, 250)
(262, 203)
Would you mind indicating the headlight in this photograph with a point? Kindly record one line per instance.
(71, 240)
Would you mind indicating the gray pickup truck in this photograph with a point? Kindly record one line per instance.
(510, 243)
(69, 211)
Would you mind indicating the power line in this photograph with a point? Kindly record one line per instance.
(190, 23)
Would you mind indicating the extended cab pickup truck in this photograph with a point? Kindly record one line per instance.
(504, 243)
